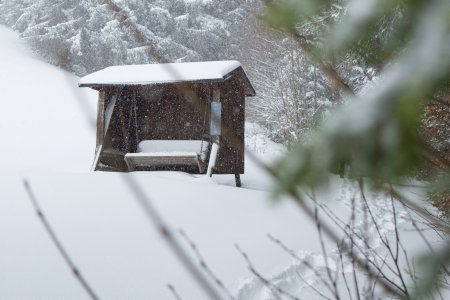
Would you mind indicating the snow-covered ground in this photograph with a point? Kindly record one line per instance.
(46, 139)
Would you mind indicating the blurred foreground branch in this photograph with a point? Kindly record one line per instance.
(56, 241)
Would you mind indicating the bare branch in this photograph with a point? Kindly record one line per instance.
(352, 254)
(324, 253)
(301, 261)
(384, 240)
(205, 266)
(341, 258)
(312, 287)
(56, 241)
(347, 249)
(433, 220)
(274, 288)
(166, 233)
(173, 291)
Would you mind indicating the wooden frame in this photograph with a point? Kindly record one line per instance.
(129, 113)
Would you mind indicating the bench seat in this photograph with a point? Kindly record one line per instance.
(153, 153)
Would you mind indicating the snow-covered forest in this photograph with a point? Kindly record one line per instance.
(88, 35)
(348, 131)
(84, 36)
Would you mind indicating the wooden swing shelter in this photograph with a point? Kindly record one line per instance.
(178, 116)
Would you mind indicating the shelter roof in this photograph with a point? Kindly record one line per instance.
(148, 74)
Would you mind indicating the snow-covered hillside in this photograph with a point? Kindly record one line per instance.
(47, 140)
(41, 123)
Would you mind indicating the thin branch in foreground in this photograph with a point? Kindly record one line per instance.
(352, 254)
(375, 271)
(173, 291)
(274, 288)
(204, 265)
(352, 233)
(56, 241)
(344, 277)
(384, 240)
(347, 249)
(312, 287)
(303, 262)
(324, 252)
(166, 233)
(433, 220)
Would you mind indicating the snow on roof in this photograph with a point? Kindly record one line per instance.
(160, 73)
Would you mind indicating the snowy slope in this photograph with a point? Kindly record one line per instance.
(47, 139)
(41, 123)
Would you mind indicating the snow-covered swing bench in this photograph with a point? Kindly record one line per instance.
(180, 116)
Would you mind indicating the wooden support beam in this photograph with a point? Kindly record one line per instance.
(100, 117)
(216, 93)
(237, 178)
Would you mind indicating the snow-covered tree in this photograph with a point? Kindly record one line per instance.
(293, 94)
(374, 137)
(89, 37)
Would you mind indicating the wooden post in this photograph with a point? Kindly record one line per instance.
(216, 93)
(136, 133)
(100, 117)
(237, 178)
(100, 128)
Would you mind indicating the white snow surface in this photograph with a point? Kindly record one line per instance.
(42, 124)
(47, 140)
(161, 73)
(151, 146)
(167, 153)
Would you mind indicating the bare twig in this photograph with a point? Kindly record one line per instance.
(273, 287)
(324, 253)
(372, 294)
(394, 256)
(433, 220)
(312, 286)
(336, 220)
(352, 254)
(347, 249)
(387, 284)
(56, 241)
(205, 266)
(166, 233)
(173, 291)
(341, 258)
(302, 262)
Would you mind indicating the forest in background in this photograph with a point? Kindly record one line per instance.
(84, 36)
(293, 93)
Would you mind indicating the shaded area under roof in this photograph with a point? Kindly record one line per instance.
(149, 74)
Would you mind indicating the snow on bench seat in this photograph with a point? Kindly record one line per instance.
(168, 152)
